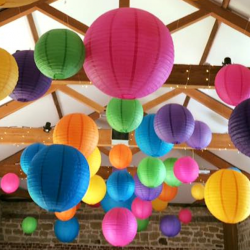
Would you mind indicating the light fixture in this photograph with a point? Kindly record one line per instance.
(47, 127)
(227, 60)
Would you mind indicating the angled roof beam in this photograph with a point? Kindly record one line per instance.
(124, 3)
(33, 28)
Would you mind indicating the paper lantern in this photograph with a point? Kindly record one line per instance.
(120, 156)
(95, 205)
(29, 225)
(168, 193)
(58, 178)
(96, 190)
(174, 123)
(232, 84)
(120, 186)
(10, 183)
(67, 231)
(124, 115)
(78, 206)
(119, 227)
(235, 169)
(186, 169)
(141, 209)
(15, 3)
(8, 73)
(159, 205)
(32, 84)
(227, 196)
(170, 179)
(94, 160)
(197, 191)
(145, 193)
(148, 141)
(142, 225)
(170, 225)
(28, 154)
(185, 216)
(119, 63)
(66, 215)
(59, 53)
(79, 131)
(151, 172)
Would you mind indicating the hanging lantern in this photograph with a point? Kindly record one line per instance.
(120, 156)
(235, 169)
(142, 225)
(10, 183)
(118, 63)
(29, 225)
(170, 179)
(185, 216)
(94, 160)
(168, 193)
(227, 196)
(124, 115)
(66, 215)
(174, 123)
(15, 3)
(59, 53)
(141, 209)
(148, 141)
(197, 191)
(79, 131)
(170, 225)
(8, 73)
(159, 205)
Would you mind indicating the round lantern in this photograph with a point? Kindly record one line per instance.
(118, 63)
(119, 227)
(15, 3)
(170, 225)
(186, 169)
(66, 215)
(170, 179)
(185, 216)
(197, 191)
(124, 115)
(120, 156)
(59, 53)
(28, 154)
(96, 190)
(141, 209)
(159, 205)
(151, 172)
(79, 131)
(29, 225)
(168, 193)
(227, 196)
(78, 206)
(142, 225)
(148, 141)
(120, 186)
(32, 84)
(10, 183)
(235, 169)
(67, 231)
(58, 178)
(8, 73)
(232, 84)
(174, 123)
(94, 160)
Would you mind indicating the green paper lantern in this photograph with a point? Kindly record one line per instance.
(29, 225)
(142, 225)
(124, 115)
(151, 172)
(170, 179)
(59, 53)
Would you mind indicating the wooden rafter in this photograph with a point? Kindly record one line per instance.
(186, 101)
(95, 115)
(57, 105)
(124, 3)
(33, 27)
(104, 150)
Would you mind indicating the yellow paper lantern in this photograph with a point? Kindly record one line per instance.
(94, 161)
(197, 191)
(8, 73)
(227, 196)
(96, 190)
(15, 3)
(159, 205)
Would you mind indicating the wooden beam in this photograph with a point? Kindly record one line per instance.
(104, 150)
(20, 193)
(225, 4)
(230, 232)
(33, 28)
(124, 3)
(186, 101)
(57, 105)
(95, 115)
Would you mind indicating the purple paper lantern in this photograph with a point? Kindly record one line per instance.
(170, 225)
(32, 84)
(174, 123)
(201, 136)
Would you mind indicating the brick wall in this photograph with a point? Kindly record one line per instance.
(244, 235)
(204, 232)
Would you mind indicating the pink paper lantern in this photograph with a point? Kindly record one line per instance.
(129, 53)
(186, 169)
(141, 209)
(185, 216)
(232, 84)
(119, 227)
(10, 183)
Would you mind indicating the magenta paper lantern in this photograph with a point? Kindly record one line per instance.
(185, 216)
(186, 169)
(119, 227)
(232, 84)
(141, 209)
(129, 53)
(10, 183)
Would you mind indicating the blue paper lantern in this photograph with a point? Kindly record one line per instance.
(148, 141)
(28, 154)
(235, 169)
(58, 178)
(66, 231)
(120, 186)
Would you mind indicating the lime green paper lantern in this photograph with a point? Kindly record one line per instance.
(142, 225)
(29, 225)
(151, 172)
(170, 179)
(124, 115)
(59, 53)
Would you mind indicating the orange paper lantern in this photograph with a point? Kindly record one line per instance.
(159, 205)
(78, 205)
(120, 156)
(66, 215)
(168, 193)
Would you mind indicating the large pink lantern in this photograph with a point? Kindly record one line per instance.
(129, 53)
(185, 216)
(119, 227)
(141, 209)
(10, 183)
(186, 169)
